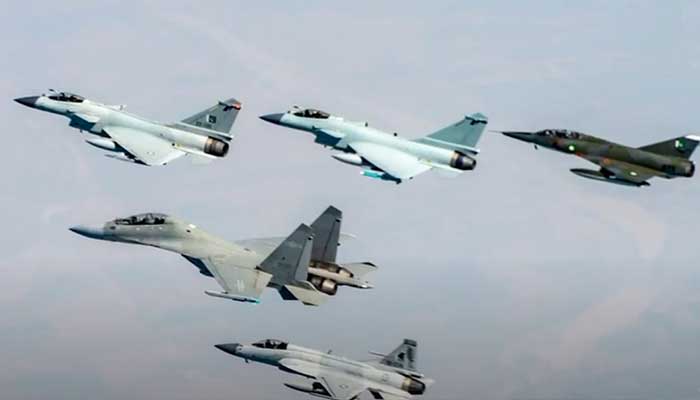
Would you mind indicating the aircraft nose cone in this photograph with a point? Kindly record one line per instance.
(524, 136)
(230, 348)
(272, 118)
(29, 101)
(88, 231)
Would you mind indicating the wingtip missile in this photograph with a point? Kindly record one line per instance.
(228, 296)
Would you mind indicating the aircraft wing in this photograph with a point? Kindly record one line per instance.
(394, 162)
(391, 396)
(144, 147)
(77, 118)
(240, 284)
(623, 171)
(341, 387)
(338, 386)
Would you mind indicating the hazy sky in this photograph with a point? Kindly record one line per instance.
(519, 280)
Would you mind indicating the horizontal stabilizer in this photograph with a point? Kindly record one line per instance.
(679, 147)
(359, 269)
(307, 294)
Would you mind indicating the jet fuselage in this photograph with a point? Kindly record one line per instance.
(176, 236)
(337, 132)
(379, 377)
(347, 136)
(321, 274)
(96, 118)
(603, 152)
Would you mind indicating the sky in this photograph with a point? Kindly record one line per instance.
(519, 280)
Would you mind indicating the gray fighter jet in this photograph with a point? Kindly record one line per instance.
(387, 156)
(392, 377)
(301, 267)
(204, 136)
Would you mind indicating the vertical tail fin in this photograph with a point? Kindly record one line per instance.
(679, 147)
(219, 118)
(289, 262)
(404, 356)
(463, 135)
(326, 230)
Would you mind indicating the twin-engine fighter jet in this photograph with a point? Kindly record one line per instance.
(392, 377)
(301, 267)
(205, 135)
(386, 156)
(618, 163)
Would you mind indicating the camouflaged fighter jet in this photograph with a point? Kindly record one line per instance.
(301, 267)
(204, 136)
(392, 377)
(386, 156)
(618, 163)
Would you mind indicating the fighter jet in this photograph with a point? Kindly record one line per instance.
(392, 377)
(619, 164)
(387, 156)
(301, 266)
(204, 136)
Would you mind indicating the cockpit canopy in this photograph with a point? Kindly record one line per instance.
(560, 133)
(309, 113)
(142, 219)
(67, 97)
(271, 344)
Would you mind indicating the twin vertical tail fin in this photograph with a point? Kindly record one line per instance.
(218, 118)
(326, 231)
(289, 266)
(461, 136)
(682, 147)
(289, 262)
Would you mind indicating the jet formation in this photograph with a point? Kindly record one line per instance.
(392, 377)
(301, 266)
(205, 136)
(618, 163)
(387, 156)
